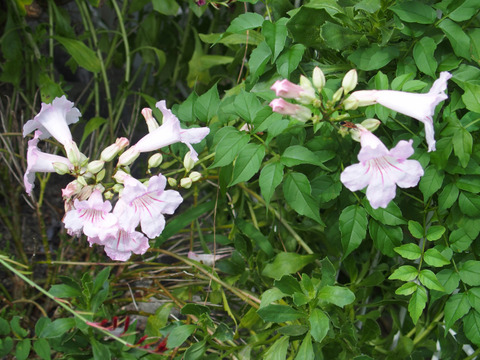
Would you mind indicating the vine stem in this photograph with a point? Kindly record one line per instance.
(4, 261)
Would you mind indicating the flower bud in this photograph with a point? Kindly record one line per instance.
(95, 166)
(120, 176)
(108, 195)
(152, 123)
(350, 81)
(298, 112)
(61, 168)
(371, 124)
(307, 96)
(172, 182)
(350, 103)
(338, 95)
(155, 160)
(71, 189)
(318, 78)
(73, 154)
(109, 153)
(117, 188)
(188, 163)
(186, 183)
(81, 181)
(128, 156)
(195, 176)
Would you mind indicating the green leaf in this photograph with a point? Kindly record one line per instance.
(297, 154)
(462, 144)
(465, 11)
(456, 307)
(353, 226)
(17, 328)
(23, 349)
(245, 22)
(319, 324)
(471, 97)
(166, 7)
(293, 330)
(417, 303)
(63, 291)
(391, 215)
(4, 327)
(404, 273)
(57, 328)
(433, 257)
(373, 57)
(206, 105)
(297, 192)
(229, 146)
(338, 37)
(83, 55)
(431, 181)
(290, 59)
(305, 24)
(415, 229)
(100, 279)
(100, 351)
(460, 240)
(275, 35)
(279, 313)
(259, 59)
(271, 295)
(247, 105)
(470, 183)
(247, 163)
(415, 12)
(469, 204)
(336, 295)
(158, 320)
(179, 335)
(270, 177)
(255, 235)
(6, 346)
(474, 297)
(448, 196)
(424, 55)
(449, 280)
(429, 279)
(406, 289)
(194, 309)
(286, 263)
(470, 272)
(196, 351)
(288, 285)
(385, 237)
(471, 326)
(409, 251)
(305, 351)
(42, 348)
(435, 232)
(458, 39)
(278, 351)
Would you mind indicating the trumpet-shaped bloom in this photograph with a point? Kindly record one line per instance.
(53, 120)
(299, 112)
(288, 90)
(418, 106)
(382, 170)
(90, 216)
(146, 204)
(168, 133)
(38, 161)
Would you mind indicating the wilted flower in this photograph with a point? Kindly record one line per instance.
(418, 106)
(38, 161)
(381, 170)
(299, 112)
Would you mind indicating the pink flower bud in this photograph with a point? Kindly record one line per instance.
(301, 113)
(152, 124)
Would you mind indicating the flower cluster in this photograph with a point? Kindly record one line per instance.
(380, 170)
(126, 226)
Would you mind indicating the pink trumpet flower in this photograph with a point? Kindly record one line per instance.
(381, 170)
(38, 161)
(418, 106)
(299, 112)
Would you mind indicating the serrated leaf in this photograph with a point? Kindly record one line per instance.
(409, 251)
(247, 105)
(404, 273)
(433, 257)
(270, 177)
(259, 59)
(431, 181)
(228, 148)
(319, 324)
(248, 163)
(206, 105)
(289, 60)
(275, 35)
(417, 303)
(449, 280)
(353, 227)
(297, 192)
(429, 279)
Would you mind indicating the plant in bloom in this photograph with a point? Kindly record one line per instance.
(168, 133)
(418, 106)
(39, 161)
(299, 112)
(381, 170)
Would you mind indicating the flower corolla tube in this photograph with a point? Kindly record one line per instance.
(418, 106)
(381, 170)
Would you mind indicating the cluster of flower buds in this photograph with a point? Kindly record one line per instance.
(139, 204)
(380, 170)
